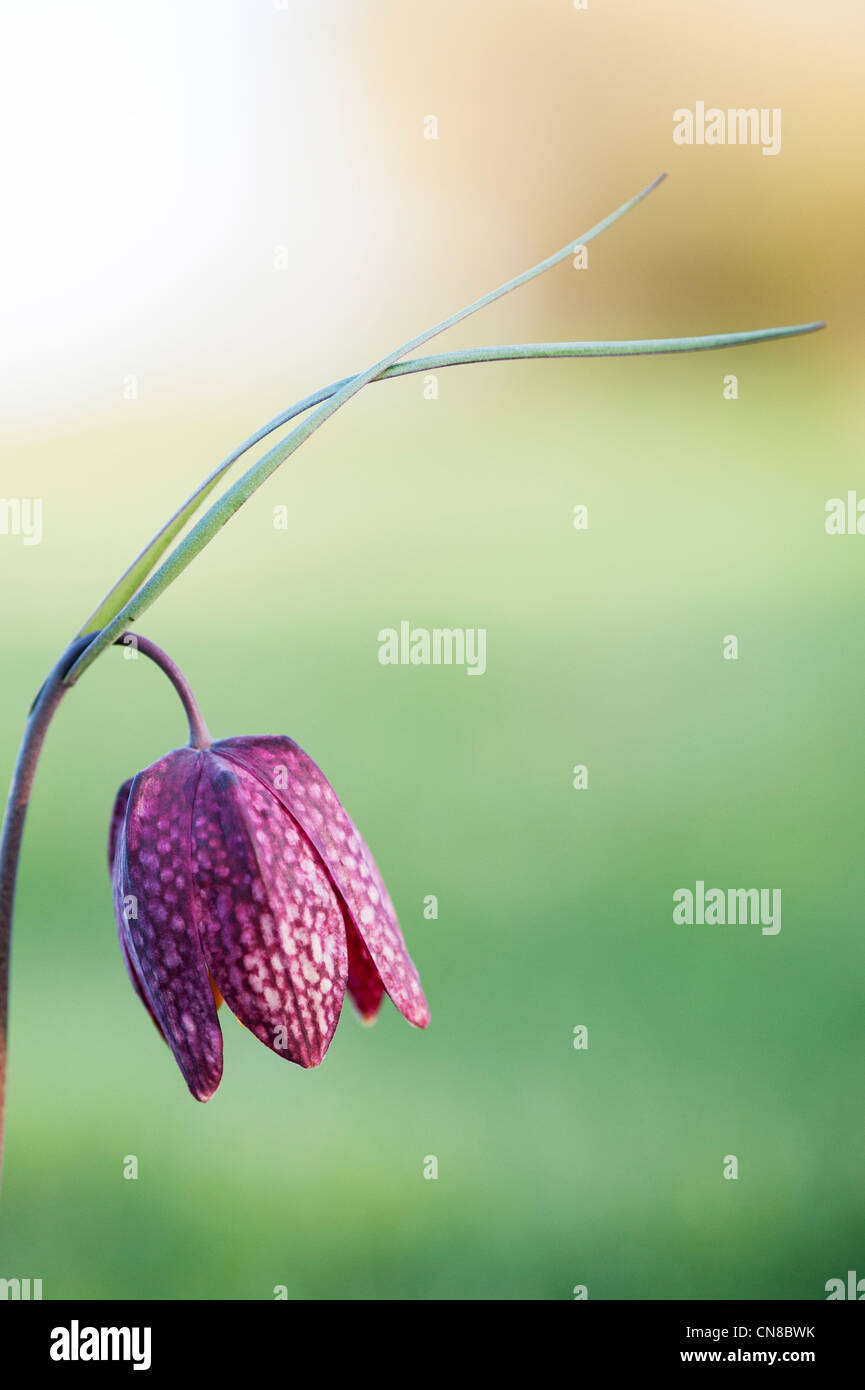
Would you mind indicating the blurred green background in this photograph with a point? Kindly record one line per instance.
(556, 1167)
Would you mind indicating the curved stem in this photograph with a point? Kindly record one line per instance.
(242, 490)
(135, 574)
(108, 615)
(40, 717)
(327, 400)
(199, 735)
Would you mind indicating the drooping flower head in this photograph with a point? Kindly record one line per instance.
(238, 875)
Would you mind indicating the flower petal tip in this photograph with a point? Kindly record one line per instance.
(204, 1088)
(311, 1061)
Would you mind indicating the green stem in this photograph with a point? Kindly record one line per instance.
(132, 578)
(255, 477)
(217, 515)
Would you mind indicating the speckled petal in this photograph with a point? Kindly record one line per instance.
(135, 981)
(154, 907)
(120, 803)
(309, 798)
(271, 926)
(117, 816)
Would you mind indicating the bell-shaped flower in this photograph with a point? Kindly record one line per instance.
(238, 875)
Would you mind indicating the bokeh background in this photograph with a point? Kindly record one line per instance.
(234, 203)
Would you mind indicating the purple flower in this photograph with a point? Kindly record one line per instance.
(237, 874)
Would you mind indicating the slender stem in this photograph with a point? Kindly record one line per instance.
(41, 715)
(199, 735)
(141, 566)
(217, 515)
